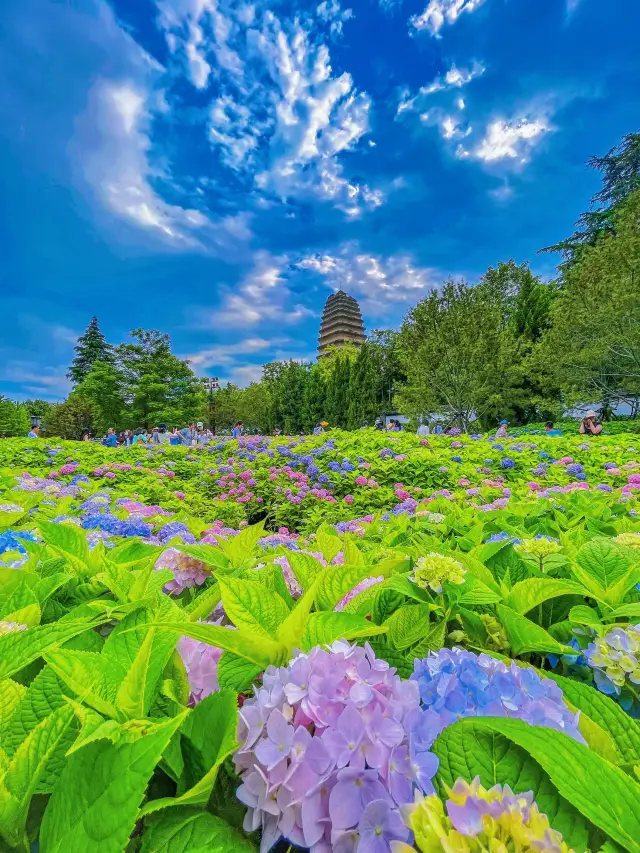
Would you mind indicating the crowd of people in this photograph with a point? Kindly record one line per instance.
(197, 434)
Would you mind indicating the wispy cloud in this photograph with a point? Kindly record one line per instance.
(225, 354)
(262, 296)
(377, 281)
(439, 104)
(441, 12)
(509, 139)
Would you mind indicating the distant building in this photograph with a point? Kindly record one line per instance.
(341, 323)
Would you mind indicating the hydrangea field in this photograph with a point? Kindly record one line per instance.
(357, 643)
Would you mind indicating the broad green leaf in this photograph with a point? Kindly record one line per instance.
(189, 830)
(337, 581)
(325, 628)
(583, 615)
(328, 543)
(133, 551)
(525, 636)
(602, 793)
(95, 805)
(474, 591)
(353, 556)
(253, 607)
(204, 604)
(211, 555)
(236, 673)
(45, 694)
(20, 648)
(527, 594)
(140, 685)
(91, 676)
(67, 541)
(259, 650)
(242, 546)
(305, 567)
(209, 737)
(467, 749)
(93, 727)
(625, 611)
(401, 583)
(11, 694)
(408, 625)
(600, 565)
(432, 641)
(290, 632)
(25, 770)
(621, 728)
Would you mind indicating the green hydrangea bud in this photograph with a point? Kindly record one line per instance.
(434, 569)
(539, 548)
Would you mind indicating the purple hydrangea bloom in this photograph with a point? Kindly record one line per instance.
(327, 754)
(176, 528)
(455, 683)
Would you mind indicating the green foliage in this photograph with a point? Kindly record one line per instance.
(91, 347)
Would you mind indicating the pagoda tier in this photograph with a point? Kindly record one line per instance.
(341, 323)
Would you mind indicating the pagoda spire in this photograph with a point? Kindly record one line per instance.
(341, 323)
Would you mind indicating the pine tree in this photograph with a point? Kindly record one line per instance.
(313, 401)
(91, 347)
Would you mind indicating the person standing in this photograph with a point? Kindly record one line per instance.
(503, 430)
(423, 430)
(111, 439)
(175, 438)
(589, 425)
(34, 432)
(549, 429)
(236, 432)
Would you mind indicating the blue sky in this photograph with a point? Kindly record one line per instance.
(214, 169)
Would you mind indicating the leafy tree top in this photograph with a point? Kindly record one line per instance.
(91, 347)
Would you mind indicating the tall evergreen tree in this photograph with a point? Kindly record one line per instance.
(313, 399)
(103, 388)
(91, 347)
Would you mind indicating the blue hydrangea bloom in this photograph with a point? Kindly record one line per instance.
(574, 469)
(456, 459)
(323, 478)
(455, 683)
(176, 528)
(507, 463)
(10, 541)
(503, 537)
(333, 466)
(544, 455)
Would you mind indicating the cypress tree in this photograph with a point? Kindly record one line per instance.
(91, 347)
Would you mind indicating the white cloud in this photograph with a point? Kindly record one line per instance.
(261, 297)
(35, 379)
(119, 170)
(331, 12)
(376, 281)
(224, 354)
(441, 12)
(511, 140)
(455, 78)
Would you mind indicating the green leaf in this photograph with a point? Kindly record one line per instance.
(21, 648)
(525, 636)
(67, 541)
(473, 591)
(291, 630)
(600, 565)
(326, 627)
(209, 737)
(602, 793)
(328, 543)
(11, 694)
(408, 625)
(242, 546)
(432, 641)
(204, 604)
(621, 728)
(305, 567)
(625, 611)
(337, 581)
(583, 615)
(236, 673)
(95, 804)
(253, 607)
(466, 750)
(258, 650)
(140, 685)
(45, 694)
(211, 555)
(527, 594)
(353, 556)
(91, 676)
(190, 830)
(25, 770)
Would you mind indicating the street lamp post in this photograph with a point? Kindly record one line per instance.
(212, 385)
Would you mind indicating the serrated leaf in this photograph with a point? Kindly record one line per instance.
(241, 547)
(204, 604)
(432, 641)
(408, 625)
(208, 739)
(583, 615)
(25, 770)
(527, 594)
(21, 648)
(328, 543)
(141, 682)
(95, 805)
(11, 694)
(600, 565)
(92, 677)
(467, 750)
(45, 694)
(621, 728)
(67, 541)
(258, 650)
(473, 591)
(602, 793)
(190, 830)
(211, 555)
(236, 673)
(253, 607)
(326, 627)
(337, 581)
(290, 631)
(305, 567)
(525, 636)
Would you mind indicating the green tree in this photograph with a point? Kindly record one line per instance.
(285, 382)
(620, 173)
(314, 399)
(254, 407)
(37, 408)
(593, 345)
(14, 418)
(457, 351)
(70, 419)
(103, 388)
(91, 347)
(158, 386)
